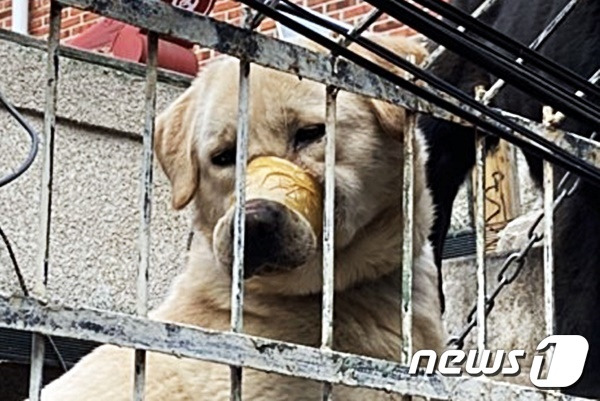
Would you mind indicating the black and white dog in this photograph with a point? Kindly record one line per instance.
(576, 45)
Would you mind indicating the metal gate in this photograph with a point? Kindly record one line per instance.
(341, 69)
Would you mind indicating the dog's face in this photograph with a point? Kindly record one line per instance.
(196, 145)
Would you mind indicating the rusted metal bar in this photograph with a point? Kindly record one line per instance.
(29, 314)
(549, 201)
(239, 225)
(479, 186)
(43, 262)
(549, 247)
(408, 188)
(145, 208)
(329, 230)
(479, 209)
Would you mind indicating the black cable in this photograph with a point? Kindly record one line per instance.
(15, 264)
(35, 140)
(425, 76)
(25, 291)
(474, 25)
(488, 58)
(529, 74)
(33, 149)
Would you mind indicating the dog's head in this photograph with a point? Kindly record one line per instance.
(196, 146)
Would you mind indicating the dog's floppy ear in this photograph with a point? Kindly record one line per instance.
(391, 117)
(174, 145)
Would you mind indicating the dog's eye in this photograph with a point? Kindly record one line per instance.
(307, 135)
(224, 158)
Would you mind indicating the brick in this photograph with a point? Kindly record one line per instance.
(225, 6)
(90, 17)
(69, 22)
(336, 5)
(355, 11)
(385, 26)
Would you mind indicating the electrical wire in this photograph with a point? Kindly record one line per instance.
(33, 149)
(476, 26)
(486, 57)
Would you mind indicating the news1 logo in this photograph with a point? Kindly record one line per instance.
(564, 367)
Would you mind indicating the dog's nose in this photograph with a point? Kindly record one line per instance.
(264, 222)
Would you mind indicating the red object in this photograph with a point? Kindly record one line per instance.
(197, 6)
(129, 43)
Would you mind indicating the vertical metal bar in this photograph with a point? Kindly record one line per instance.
(408, 187)
(548, 247)
(549, 118)
(479, 183)
(145, 205)
(328, 231)
(37, 345)
(237, 285)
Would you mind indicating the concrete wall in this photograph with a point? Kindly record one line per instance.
(98, 160)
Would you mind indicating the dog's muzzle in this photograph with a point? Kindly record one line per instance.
(283, 217)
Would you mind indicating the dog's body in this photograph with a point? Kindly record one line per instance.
(286, 305)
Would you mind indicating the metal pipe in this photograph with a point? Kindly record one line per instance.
(549, 247)
(20, 16)
(43, 260)
(329, 230)
(479, 184)
(145, 208)
(239, 225)
(407, 236)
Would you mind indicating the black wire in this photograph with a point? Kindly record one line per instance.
(513, 73)
(432, 80)
(23, 286)
(15, 264)
(35, 141)
(33, 149)
(473, 25)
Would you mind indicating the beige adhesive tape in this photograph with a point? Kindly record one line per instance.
(282, 181)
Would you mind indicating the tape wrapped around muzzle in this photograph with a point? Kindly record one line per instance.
(279, 180)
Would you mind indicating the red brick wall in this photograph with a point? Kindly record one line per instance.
(75, 21)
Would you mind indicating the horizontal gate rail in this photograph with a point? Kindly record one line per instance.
(123, 330)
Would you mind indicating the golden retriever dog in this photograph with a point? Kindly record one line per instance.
(195, 144)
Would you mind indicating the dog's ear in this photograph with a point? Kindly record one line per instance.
(174, 144)
(392, 117)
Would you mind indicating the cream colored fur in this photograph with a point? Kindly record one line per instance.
(285, 306)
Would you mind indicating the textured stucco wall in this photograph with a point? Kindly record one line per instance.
(97, 164)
